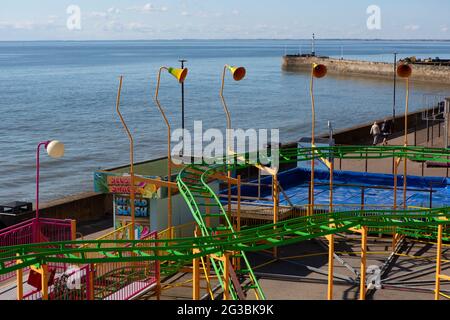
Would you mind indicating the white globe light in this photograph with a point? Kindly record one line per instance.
(55, 149)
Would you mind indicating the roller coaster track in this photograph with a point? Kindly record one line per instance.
(205, 205)
(414, 223)
(193, 185)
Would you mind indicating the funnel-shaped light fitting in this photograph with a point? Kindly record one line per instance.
(237, 72)
(180, 74)
(319, 70)
(55, 149)
(404, 70)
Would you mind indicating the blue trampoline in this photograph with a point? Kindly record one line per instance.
(352, 188)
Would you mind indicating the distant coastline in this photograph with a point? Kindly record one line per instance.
(227, 39)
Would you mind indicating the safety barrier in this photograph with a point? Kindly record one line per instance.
(124, 280)
(72, 284)
(36, 231)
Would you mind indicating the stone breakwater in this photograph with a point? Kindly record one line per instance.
(423, 73)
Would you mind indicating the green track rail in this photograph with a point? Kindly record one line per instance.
(204, 204)
(193, 185)
(420, 224)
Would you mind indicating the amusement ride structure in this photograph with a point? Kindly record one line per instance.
(113, 267)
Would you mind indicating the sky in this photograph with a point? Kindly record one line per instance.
(222, 19)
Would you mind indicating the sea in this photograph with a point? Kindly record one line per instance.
(67, 91)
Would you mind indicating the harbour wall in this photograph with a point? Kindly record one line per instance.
(422, 73)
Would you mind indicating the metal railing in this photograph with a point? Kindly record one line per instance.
(35, 231)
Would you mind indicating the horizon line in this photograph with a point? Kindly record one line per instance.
(224, 39)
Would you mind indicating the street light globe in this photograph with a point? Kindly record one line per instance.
(55, 149)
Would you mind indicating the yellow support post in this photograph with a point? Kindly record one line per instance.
(73, 227)
(362, 286)
(276, 199)
(330, 266)
(395, 235)
(131, 231)
(439, 262)
(19, 282)
(229, 195)
(226, 294)
(91, 282)
(238, 217)
(196, 272)
(196, 279)
(44, 281)
(331, 241)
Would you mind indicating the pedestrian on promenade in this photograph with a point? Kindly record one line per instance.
(386, 131)
(375, 132)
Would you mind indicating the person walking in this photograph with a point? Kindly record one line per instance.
(386, 131)
(375, 132)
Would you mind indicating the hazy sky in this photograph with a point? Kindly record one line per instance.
(221, 19)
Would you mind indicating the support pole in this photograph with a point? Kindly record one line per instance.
(331, 185)
(229, 195)
(73, 229)
(437, 292)
(226, 294)
(196, 272)
(238, 213)
(169, 154)
(44, 282)
(19, 282)
(405, 160)
(91, 282)
(196, 279)
(313, 127)
(130, 137)
(276, 199)
(362, 285)
(237, 260)
(330, 266)
(394, 234)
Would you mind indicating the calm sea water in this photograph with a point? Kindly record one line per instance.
(67, 91)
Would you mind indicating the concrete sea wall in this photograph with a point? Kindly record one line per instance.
(436, 74)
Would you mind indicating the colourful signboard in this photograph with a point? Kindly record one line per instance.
(122, 207)
(106, 182)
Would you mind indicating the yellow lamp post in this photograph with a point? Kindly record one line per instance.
(130, 137)
(180, 75)
(238, 74)
(318, 71)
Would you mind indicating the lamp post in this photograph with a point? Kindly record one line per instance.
(55, 149)
(404, 71)
(182, 61)
(238, 74)
(180, 75)
(318, 71)
(130, 137)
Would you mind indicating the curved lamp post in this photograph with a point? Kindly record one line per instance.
(317, 71)
(238, 74)
(180, 75)
(405, 71)
(130, 137)
(55, 149)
